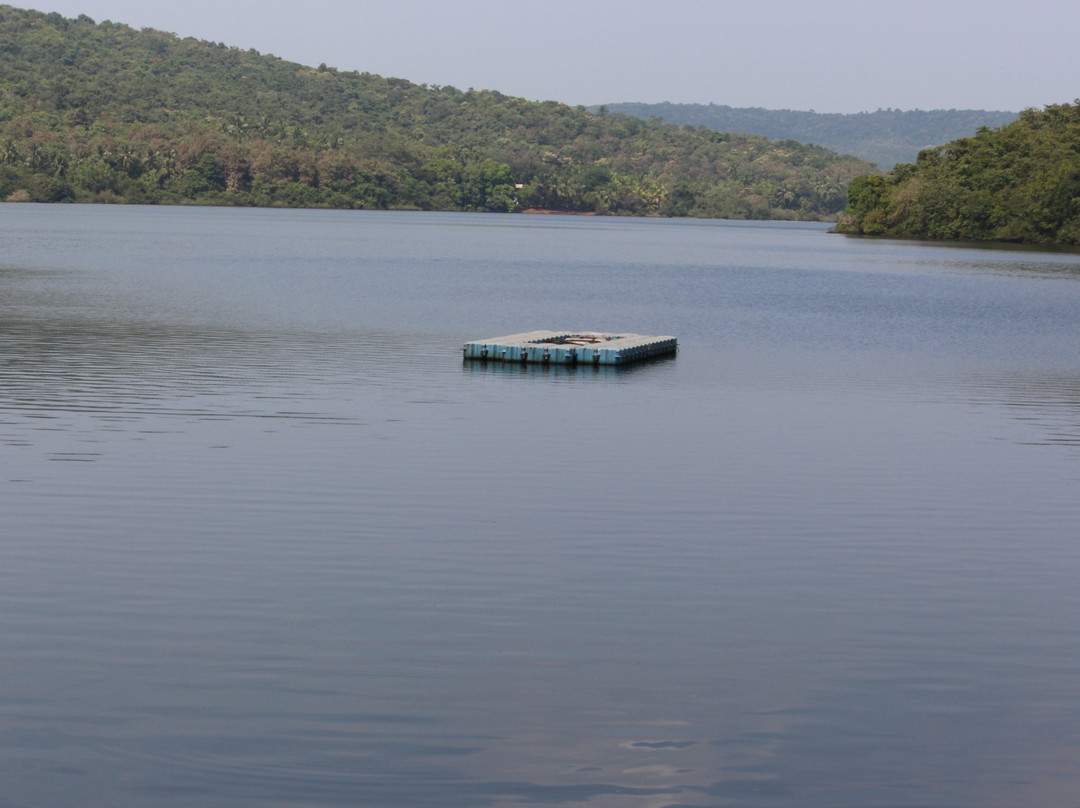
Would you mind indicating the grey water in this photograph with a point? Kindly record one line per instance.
(265, 539)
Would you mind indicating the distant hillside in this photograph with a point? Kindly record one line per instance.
(105, 113)
(885, 137)
(1017, 183)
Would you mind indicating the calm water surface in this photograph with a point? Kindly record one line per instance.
(266, 541)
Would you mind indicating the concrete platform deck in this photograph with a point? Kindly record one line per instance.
(570, 348)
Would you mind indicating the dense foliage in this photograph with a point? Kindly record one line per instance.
(1017, 183)
(103, 112)
(885, 137)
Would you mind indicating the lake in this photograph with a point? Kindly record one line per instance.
(267, 541)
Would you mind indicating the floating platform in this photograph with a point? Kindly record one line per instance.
(570, 348)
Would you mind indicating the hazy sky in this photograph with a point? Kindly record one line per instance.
(784, 54)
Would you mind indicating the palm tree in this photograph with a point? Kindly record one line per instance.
(9, 152)
(129, 160)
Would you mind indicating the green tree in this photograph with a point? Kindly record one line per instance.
(95, 175)
(487, 185)
(204, 178)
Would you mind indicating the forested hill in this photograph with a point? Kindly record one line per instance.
(885, 137)
(104, 112)
(1017, 183)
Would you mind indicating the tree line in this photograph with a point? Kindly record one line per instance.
(102, 112)
(885, 137)
(1017, 183)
